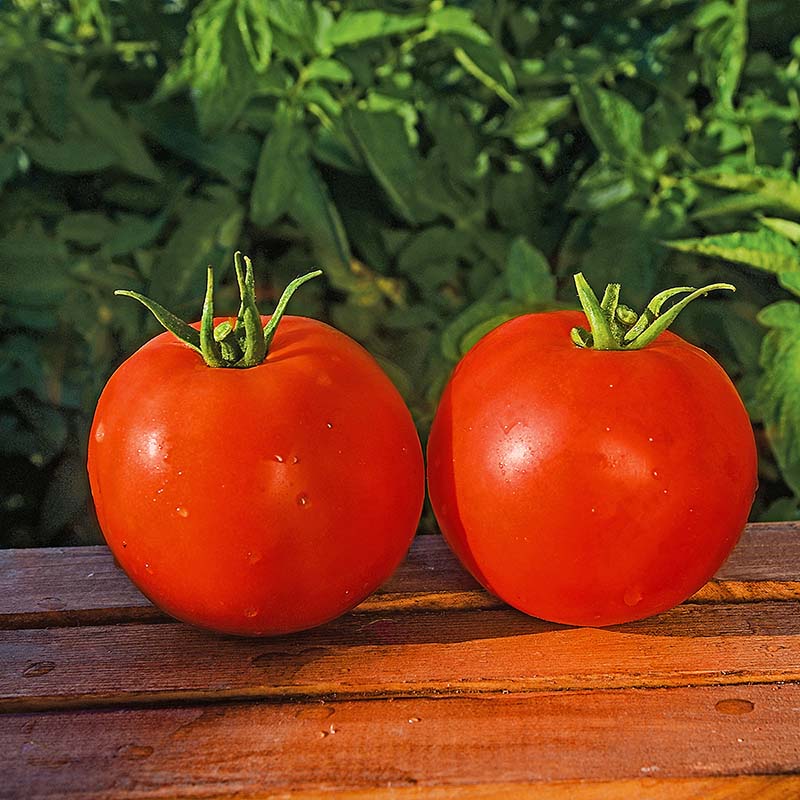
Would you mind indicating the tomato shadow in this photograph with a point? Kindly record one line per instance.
(712, 620)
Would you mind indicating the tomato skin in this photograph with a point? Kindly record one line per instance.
(589, 487)
(256, 501)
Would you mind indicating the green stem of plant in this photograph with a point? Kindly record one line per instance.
(241, 345)
(613, 326)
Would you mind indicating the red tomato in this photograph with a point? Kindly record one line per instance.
(589, 487)
(261, 500)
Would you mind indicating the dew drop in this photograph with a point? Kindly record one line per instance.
(250, 612)
(413, 720)
(649, 438)
(100, 433)
(608, 429)
(655, 473)
(148, 567)
(278, 458)
(180, 472)
(610, 385)
(182, 512)
(632, 596)
(329, 425)
(302, 500)
(734, 706)
(295, 460)
(665, 492)
(124, 544)
(594, 511)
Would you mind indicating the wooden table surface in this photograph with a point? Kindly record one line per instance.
(430, 688)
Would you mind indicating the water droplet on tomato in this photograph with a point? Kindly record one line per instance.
(649, 438)
(100, 433)
(148, 567)
(295, 460)
(278, 458)
(329, 425)
(655, 473)
(124, 543)
(665, 492)
(594, 511)
(608, 429)
(610, 385)
(182, 512)
(250, 612)
(413, 720)
(632, 596)
(302, 500)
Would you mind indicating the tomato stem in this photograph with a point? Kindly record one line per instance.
(243, 344)
(613, 326)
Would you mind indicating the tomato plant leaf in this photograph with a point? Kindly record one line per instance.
(528, 274)
(381, 139)
(353, 27)
(612, 121)
(777, 400)
(276, 173)
(764, 249)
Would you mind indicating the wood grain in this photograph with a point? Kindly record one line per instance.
(400, 655)
(257, 749)
(84, 587)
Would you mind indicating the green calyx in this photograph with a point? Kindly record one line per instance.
(241, 344)
(618, 327)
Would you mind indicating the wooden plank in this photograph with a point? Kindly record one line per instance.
(399, 655)
(257, 750)
(84, 587)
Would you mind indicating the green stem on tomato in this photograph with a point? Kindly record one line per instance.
(241, 344)
(613, 326)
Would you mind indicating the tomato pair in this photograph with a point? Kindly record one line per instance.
(587, 478)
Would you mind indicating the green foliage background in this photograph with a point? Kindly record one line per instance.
(449, 165)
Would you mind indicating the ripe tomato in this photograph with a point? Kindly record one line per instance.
(259, 500)
(589, 486)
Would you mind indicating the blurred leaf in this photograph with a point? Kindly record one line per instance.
(721, 45)
(74, 154)
(277, 171)
(230, 156)
(228, 44)
(762, 249)
(382, 142)
(527, 123)
(461, 21)
(85, 228)
(353, 27)
(110, 130)
(778, 400)
(65, 497)
(46, 81)
(528, 274)
(207, 234)
(33, 270)
(601, 187)
(311, 205)
(612, 121)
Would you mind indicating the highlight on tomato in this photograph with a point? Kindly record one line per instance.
(592, 477)
(254, 475)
